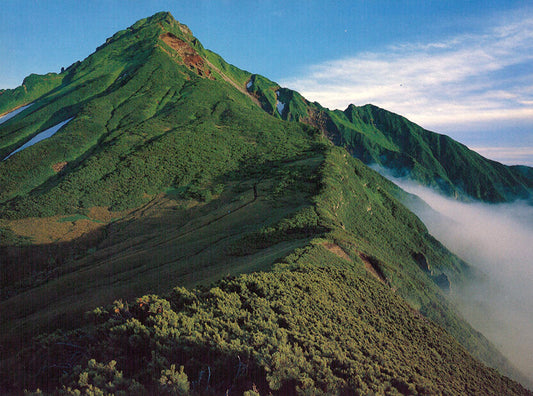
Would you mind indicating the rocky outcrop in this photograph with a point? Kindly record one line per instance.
(422, 261)
(187, 53)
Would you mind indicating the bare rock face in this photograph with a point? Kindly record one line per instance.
(422, 262)
(59, 166)
(187, 53)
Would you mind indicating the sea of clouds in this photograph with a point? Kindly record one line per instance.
(497, 240)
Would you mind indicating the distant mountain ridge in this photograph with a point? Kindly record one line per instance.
(377, 136)
(187, 181)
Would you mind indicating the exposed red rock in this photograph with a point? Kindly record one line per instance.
(59, 166)
(188, 54)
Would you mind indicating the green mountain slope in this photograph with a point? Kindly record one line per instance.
(355, 265)
(377, 136)
(171, 173)
(316, 329)
(33, 87)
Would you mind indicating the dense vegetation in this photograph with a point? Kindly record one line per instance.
(199, 185)
(315, 325)
(33, 87)
(318, 322)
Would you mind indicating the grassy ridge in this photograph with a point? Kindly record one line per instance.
(338, 235)
(320, 327)
(33, 87)
(319, 322)
(377, 136)
(365, 219)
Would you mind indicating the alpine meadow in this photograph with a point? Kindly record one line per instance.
(171, 224)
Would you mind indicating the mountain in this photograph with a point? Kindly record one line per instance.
(377, 136)
(163, 233)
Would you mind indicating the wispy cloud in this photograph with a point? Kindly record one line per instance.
(470, 78)
(508, 155)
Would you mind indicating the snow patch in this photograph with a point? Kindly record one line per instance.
(13, 113)
(279, 105)
(41, 136)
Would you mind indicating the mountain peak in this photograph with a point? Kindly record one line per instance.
(152, 27)
(163, 15)
(165, 18)
(159, 31)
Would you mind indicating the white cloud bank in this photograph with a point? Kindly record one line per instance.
(470, 79)
(498, 241)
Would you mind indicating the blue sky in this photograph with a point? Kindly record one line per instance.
(463, 68)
